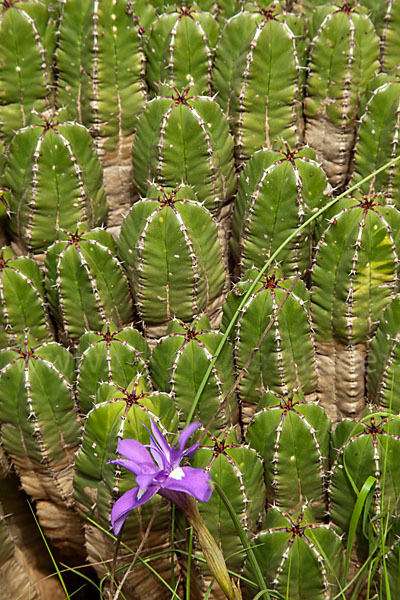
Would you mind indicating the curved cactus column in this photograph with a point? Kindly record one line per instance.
(354, 277)
(86, 285)
(110, 356)
(378, 140)
(55, 182)
(41, 432)
(367, 448)
(237, 469)
(384, 361)
(26, 47)
(112, 95)
(275, 321)
(277, 192)
(185, 139)
(343, 59)
(25, 570)
(121, 413)
(170, 247)
(390, 47)
(178, 364)
(292, 436)
(265, 92)
(298, 557)
(180, 51)
(23, 310)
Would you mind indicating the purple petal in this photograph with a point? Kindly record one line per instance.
(186, 433)
(191, 450)
(190, 480)
(134, 450)
(128, 501)
(134, 468)
(145, 480)
(160, 439)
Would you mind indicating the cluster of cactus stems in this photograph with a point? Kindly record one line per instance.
(153, 157)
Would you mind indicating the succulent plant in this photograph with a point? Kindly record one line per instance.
(185, 139)
(343, 58)
(178, 364)
(265, 89)
(278, 191)
(40, 430)
(26, 47)
(86, 284)
(169, 244)
(292, 436)
(109, 356)
(354, 277)
(297, 556)
(359, 450)
(179, 50)
(23, 310)
(55, 182)
(271, 340)
(377, 140)
(118, 414)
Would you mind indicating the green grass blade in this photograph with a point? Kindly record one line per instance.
(355, 517)
(53, 560)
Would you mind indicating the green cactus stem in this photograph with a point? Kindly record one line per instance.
(169, 244)
(22, 305)
(299, 557)
(109, 356)
(185, 138)
(26, 47)
(292, 436)
(180, 50)
(275, 321)
(55, 182)
(278, 191)
(178, 364)
(41, 431)
(86, 284)
(344, 56)
(120, 413)
(378, 140)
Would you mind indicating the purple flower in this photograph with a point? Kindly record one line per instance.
(158, 471)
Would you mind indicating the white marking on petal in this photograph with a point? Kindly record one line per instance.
(140, 493)
(177, 473)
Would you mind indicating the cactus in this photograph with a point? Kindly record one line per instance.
(22, 305)
(186, 139)
(112, 355)
(378, 140)
(343, 58)
(120, 414)
(292, 436)
(390, 51)
(275, 318)
(178, 364)
(85, 283)
(171, 249)
(354, 277)
(238, 471)
(297, 556)
(359, 450)
(383, 360)
(26, 47)
(104, 86)
(55, 182)
(41, 430)
(265, 90)
(179, 50)
(277, 193)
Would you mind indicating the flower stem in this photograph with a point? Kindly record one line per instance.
(211, 551)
